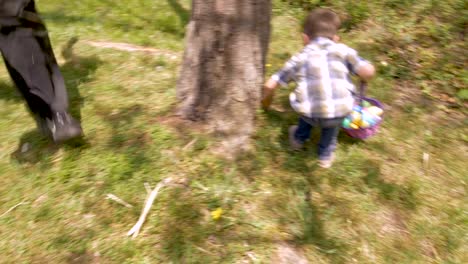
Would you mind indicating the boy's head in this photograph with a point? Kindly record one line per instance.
(321, 23)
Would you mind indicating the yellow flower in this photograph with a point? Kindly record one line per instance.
(216, 214)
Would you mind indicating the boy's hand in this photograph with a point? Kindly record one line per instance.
(366, 72)
(268, 92)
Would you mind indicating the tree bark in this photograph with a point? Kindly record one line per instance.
(223, 66)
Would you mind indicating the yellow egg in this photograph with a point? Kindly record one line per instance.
(353, 126)
(356, 116)
(364, 124)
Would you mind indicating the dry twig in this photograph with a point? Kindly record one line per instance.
(118, 200)
(190, 144)
(13, 208)
(149, 202)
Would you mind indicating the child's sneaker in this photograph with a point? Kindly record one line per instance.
(294, 143)
(327, 163)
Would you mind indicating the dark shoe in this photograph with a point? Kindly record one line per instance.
(293, 142)
(60, 128)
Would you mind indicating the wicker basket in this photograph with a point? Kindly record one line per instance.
(363, 133)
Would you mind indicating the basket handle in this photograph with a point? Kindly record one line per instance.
(362, 91)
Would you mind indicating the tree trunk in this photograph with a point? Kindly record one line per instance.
(223, 66)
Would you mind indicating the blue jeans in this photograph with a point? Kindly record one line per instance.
(328, 134)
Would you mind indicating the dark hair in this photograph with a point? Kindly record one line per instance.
(321, 22)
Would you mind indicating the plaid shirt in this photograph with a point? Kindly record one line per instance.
(321, 70)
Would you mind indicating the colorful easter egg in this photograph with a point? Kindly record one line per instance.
(355, 116)
(353, 126)
(366, 104)
(375, 110)
(357, 108)
(346, 123)
(368, 118)
(364, 124)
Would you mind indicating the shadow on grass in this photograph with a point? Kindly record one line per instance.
(128, 18)
(182, 229)
(61, 17)
(186, 235)
(77, 70)
(304, 219)
(134, 19)
(9, 93)
(184, 14)
(401, 196)
(34, 148)
(311, 223)
(313, 232)
(301, 177)
(128, 139)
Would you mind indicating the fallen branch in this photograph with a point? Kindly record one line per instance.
(13, 208)
(204, 251)
(149, 202)
(191, 143)
(118, 200)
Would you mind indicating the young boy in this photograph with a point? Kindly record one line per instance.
(322, 70)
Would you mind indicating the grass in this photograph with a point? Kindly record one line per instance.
(378, 204)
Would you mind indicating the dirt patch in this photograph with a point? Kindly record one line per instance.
(132, 48)
(447, 117)
(392, 223)
(407, 94)
(442, 108)
(429, 249)
(287, 254)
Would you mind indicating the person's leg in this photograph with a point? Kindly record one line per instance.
(60, 100)
(39, 109)
(328, 142)
(299, 134)
(327, 145)
(303, 131)
(33, 68)
(36, 105)
(27, 65)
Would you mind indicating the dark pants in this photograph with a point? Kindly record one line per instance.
(328, 134)
(31, 63)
